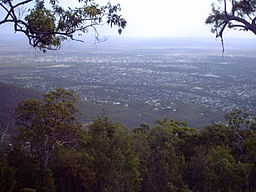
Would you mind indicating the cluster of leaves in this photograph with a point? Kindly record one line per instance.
(49, 23)
(52, 152)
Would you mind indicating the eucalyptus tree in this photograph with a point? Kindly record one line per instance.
(45, 127)
(47, 24)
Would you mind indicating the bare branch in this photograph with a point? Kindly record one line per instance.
(238, 26)
(248, 25)
(254, 21)
(6, 21)
(22, 3)
(233, 7)
(225, 7)
(4, 7)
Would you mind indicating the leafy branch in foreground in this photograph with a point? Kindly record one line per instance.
(48, 23)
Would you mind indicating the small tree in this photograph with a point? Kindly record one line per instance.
(48, 23)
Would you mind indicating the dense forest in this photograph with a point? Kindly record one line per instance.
(52, 151)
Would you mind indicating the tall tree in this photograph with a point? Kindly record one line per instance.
(164, 163)
(115, 161)
(46, 126)
(47, 23)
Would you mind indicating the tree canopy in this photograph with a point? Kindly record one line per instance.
(233, 14)
(47, 24)
(52, 152)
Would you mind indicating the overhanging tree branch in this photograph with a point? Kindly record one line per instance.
(46, 27)
(242, 14)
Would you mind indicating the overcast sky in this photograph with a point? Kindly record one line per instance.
(168, 18)
(162, 18)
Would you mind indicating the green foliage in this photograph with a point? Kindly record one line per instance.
(195, 169)
(78, 174)
(162, 158)
(42, 20)
(250, 151)
(227, 155)
(224, 173)
(115, 162)
(46, 126)
(250, 147)
(215, 135)
(47, 181)
(49, 23)
(239, 120)
(184, 138)
(74, 170)
(28, 173)
(7, 176)
(52, 153)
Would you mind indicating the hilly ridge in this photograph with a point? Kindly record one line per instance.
(131, 116)
(10, 96)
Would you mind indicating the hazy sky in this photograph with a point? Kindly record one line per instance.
(169, 18)
(166, 17)
(163, 18)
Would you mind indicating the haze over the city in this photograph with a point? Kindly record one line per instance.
(164, 18)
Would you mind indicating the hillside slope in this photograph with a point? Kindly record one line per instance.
(10, 96)
(131, 116)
